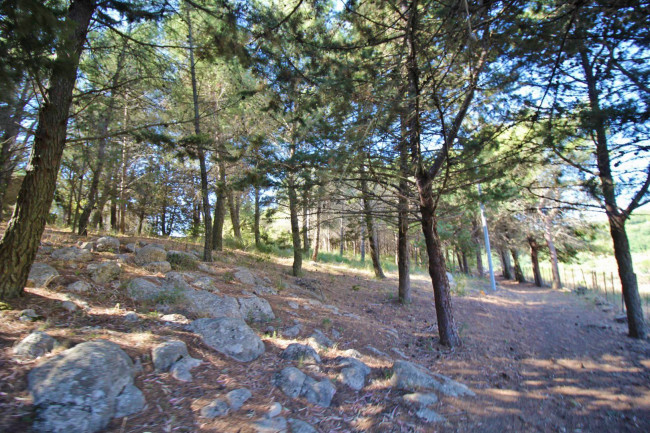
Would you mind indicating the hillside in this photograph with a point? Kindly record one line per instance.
(532, 359)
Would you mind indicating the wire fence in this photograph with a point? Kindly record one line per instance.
(603, 283)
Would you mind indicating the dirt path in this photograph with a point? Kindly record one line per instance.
(550, 362)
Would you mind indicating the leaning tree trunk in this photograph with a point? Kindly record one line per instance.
(372, 238)
(615, 216)
(519, 275)
(534, 259)
(21, 239)
(207, 220)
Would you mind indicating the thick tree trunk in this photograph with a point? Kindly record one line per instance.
(207, 220)
(519, 275)
(295, 228)
(141, 216)
(506, 265)
(370, 228)
(305, 223)
(534, 259)
(21, 239)
(101, 150)
(403, 265)
(555, 268)
(615, 217)
(220, 210)
(256, 223)
(319, 208)
(234, 215)
(363, 242)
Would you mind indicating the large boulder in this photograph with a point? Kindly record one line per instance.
(353, 373)
(231, 337)
(255, 309)
(181, 260)
(294, 383)
(411, 377)
(157, 267)
(173, 356)
(150, 254)
(72, 254)
(41, 274)
(140, 289)
(108, 243)
(205, 303)
(83, 388)
(34, 345)
(106, 272)
(301, 353)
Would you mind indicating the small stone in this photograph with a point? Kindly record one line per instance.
(298, 426)
(319, 339)
(301, 353)
(34, 345)
(420, 399)
(292, 331)
(131, 316)
(318, 393)
(274, 410)
(108, 243)
(271, 425)
(175, 318)
(29, 315)
(429, 415)
(180, 370)
(79, 287)
(166, 354)
(294, 305)
(216, 408)
(158, 267)
(621, 318)
(237, 397)
(69, 305)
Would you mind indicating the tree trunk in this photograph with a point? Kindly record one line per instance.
(615, 217)
(234, 216)
(256, 223)
(477, 248)
(140, 221)
(319, 208)
(465, 265)
(519, 275)
(548, 237)
(305, 223)
(341, 233)
(295, 228)
(220, 210)
(21, 239)
(123, 167)
(207, 221)
(506, 265)
(370, 227)
(534, 259)
(101, 150)
(363, 242)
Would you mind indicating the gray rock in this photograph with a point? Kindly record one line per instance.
(203, 303)
(158, 267)
(28, 315)
(41, 274)
(352, 377)
(231, 337)
(318, 393)
(181, 368)
(352, 353)
(298, 426)
(216, 408)
(255, 309)
(377, 351)
(131, 316)
(429, 415)
(411, 377)
(175, 318)
(90, 246)
(301, 353)
(69, 305)
(237, 397)
(166, 354)
(420, 399)
(108, 243)
(319, 339)
(140, 289)
(205, 283)
(264, 290)
(72, 254)
(271, 425)
(130, 247)
(181, 260)
(274, 410)
(175, 281)
(399, 353)
(129, 401)
(294, 305)
(106, 272)
(79, 287)
(77, 390)
(290, 381)
(245, 276)
(293, 331)
(206, 268)
(150, 254)
(621, 318)
(34, 345)
(335, 334)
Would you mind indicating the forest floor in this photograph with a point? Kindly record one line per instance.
(538, 360)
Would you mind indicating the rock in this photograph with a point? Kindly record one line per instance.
(205, 283)
(300, 353)
(181, 260)
(28, 315)
(318, 393)
(255, 309)
(352, 353)
(621, 318)
(377, 351)
(420, 399)
(175, 281)
(290, 381)
(274, 410)
(130, 401)
(429, 415)
(237, 397)
(335, 334)
(166, 354)
(216, 408)
(206, 268)
(158, 267)
(79, 287)
(140, 289)
(209, 304)
(354, 372)
(264, 290)
(72, 254)
(245, 276)
(106, 272)
(399, 353)
(154, 244)
(34, 345)
(80, 389)
(131, 316)
(271, 425)
(130, 247)
(69, 305)
(181, 368)
(319, 339)
(108, 243)
(298, 426)
(294, 305)
(231, 337)
(175, 318)
(293, 331)
(411, 377)
(41, 274)
(150, 254)
(90, 246)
